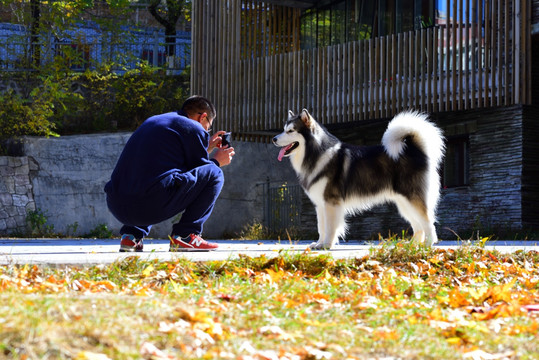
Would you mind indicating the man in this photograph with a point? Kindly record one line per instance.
(164, 169)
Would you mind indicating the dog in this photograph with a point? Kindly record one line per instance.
(342, 179)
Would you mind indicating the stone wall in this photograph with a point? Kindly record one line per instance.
(16, 197)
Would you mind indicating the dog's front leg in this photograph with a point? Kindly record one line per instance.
(321, 222)
(330, 219)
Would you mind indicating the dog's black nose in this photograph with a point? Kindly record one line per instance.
(274, 140)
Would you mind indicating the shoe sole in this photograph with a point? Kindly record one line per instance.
(130, 250)
(190, 250)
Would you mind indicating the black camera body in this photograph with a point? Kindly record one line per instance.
(226, 140)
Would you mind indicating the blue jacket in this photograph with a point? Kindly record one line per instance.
(159, 151)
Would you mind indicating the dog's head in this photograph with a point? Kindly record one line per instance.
(293, 135)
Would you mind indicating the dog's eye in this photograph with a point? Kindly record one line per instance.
(290, 131)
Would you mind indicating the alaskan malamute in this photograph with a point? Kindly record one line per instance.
(340, 178)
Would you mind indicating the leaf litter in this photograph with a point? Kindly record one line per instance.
(399, 302)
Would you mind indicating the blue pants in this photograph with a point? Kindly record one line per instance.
(193, 192)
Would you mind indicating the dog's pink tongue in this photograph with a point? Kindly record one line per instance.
(282, 151)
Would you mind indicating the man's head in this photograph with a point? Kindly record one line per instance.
(200, 109)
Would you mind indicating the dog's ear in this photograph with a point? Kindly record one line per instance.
(307, 118)
(290, 114)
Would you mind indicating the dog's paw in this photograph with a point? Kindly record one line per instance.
(319, 246)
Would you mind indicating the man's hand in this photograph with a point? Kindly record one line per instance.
(224, 156)
(215, 141)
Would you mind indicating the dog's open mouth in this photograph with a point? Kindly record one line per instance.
(286, 150)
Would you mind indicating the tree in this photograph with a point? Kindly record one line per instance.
(167, 13)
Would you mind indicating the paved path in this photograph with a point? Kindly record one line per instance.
(104, 251)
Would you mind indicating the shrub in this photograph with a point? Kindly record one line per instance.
(61, 101)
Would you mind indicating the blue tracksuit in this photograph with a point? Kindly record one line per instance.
(163, 170)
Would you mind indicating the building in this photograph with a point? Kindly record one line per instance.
(354, 64)
(100, 36)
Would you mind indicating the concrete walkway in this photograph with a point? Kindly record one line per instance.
(105, 251)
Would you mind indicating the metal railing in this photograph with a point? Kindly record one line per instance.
(282, 206)
(18, 53)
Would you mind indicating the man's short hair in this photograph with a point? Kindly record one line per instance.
(198, 104)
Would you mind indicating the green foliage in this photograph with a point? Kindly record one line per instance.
(257, 231)
(37, 221)
(59, 101)
(72, 229)
(101, 231)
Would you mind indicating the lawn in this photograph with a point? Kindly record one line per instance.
(399, 302)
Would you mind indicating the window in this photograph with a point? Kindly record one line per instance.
(148, 55)
(456, 164)
(350, 20)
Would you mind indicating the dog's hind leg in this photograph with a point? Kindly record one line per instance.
(333, 225)
(417, 215)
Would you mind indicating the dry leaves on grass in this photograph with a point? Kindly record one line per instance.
(396, 301)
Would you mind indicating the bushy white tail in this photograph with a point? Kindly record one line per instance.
(424, 133)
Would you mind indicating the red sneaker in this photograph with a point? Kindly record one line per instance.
(128, 243)
(192, 242)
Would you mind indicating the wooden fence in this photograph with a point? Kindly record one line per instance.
(457, 65)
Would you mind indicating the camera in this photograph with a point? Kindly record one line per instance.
(226, 140)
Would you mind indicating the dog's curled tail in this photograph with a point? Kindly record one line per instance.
(427, 136)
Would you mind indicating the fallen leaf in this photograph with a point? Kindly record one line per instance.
(482, 355)
(88, 355)
(150, 351)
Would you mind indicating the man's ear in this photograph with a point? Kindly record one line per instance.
(307, 118)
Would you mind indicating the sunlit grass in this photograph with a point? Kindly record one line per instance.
(401, 301)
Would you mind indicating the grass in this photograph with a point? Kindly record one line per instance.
(399, 302)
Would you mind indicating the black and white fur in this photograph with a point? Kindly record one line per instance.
(340, 178)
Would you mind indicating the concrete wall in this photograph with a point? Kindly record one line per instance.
(71, 172)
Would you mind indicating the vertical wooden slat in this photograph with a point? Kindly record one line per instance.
(217, 90)
(473, 49)
(338, 83)
(454, 49)
(371, 86)
(354, 76)
(407, 74)
(439, 71)
(527, 56)
(400, 70)
(499, 43)
(488, 53)
(517, 20)
(322, 81)
(350, 82)
(507, 54)
(394, 73)
(429, 69)
(421, 75)
(448, 40)
(458, 51)
(480, 53)
(376, 79)
(387, 79)
(360, 56)
(381, 79)
(418, 55)
(467, 26)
